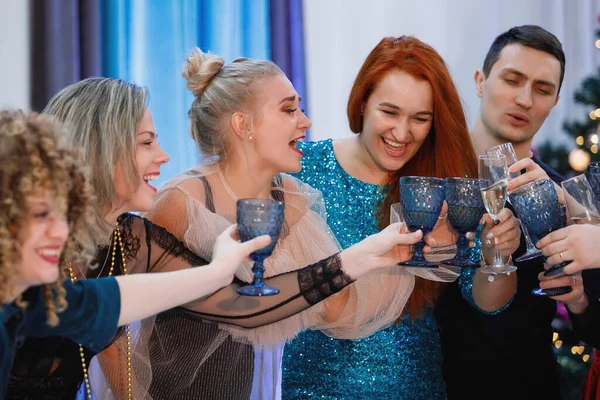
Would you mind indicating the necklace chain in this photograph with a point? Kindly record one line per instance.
(117, 240)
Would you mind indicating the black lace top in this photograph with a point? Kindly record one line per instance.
(50, 368)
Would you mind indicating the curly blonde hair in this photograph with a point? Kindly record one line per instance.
(33, 160)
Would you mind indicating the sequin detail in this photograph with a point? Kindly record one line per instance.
(401, 362)
(465, 280)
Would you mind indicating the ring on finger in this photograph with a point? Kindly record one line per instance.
(574, 280)
(561, 256)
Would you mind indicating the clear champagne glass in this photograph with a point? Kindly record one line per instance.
(493, 175)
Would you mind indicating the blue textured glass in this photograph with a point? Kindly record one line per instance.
(593, 177)
(256, 217)
(421, 200)
(537, 206)
(465, 209)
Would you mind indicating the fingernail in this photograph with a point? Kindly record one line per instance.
(496, 221)
(470, 236)
(489, 235)
(554, 270)
(488, 242)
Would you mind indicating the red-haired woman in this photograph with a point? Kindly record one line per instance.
(408, 120)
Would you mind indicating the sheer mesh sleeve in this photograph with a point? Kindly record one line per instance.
(208, 204)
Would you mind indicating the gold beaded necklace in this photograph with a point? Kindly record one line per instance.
(116, 241)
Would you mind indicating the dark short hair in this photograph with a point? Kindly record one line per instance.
(532, 36)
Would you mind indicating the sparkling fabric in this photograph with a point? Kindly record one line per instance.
(401, 362)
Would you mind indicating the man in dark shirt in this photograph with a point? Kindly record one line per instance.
(508, 353)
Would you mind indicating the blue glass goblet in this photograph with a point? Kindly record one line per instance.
(593, 177)
(421, 201)
(256, 217)
(538, 208)
(465, 209)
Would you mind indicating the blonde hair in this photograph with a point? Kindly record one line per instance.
(221, 90)
(103, 116)
(33, 159)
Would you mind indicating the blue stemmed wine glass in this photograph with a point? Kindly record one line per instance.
(421, 200)
(537, 206)
(256, 217)
(465, 209)
(593, 177)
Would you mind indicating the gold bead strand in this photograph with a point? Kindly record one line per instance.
(86, 380)
(88, 389)
(127, 327)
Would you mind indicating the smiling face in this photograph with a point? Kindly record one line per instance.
(42, 238)
(397, 118)
(278, 125)
(149, 157)
(519, 93)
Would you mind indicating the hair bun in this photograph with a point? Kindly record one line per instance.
(200, 69)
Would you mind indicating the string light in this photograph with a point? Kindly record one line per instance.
(585, 357)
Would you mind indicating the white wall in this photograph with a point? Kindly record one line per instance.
(14, 54)
(340, 33)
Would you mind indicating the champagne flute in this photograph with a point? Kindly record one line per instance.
(581, 201)
(508, 151)
(593, 175)
(493, 175)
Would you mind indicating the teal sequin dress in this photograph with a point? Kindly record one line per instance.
(401, 362)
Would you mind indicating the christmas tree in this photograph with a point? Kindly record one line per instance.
(585, 131)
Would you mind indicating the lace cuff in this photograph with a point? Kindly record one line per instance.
(323, 279)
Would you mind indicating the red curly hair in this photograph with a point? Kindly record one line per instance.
(447, 151)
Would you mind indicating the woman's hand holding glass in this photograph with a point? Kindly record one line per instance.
(505, 235)
(575, 243)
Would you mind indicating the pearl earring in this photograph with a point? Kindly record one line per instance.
(250, 138)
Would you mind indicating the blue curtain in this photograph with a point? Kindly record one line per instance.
(66, 43)
(287, 43)
(146, 42)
